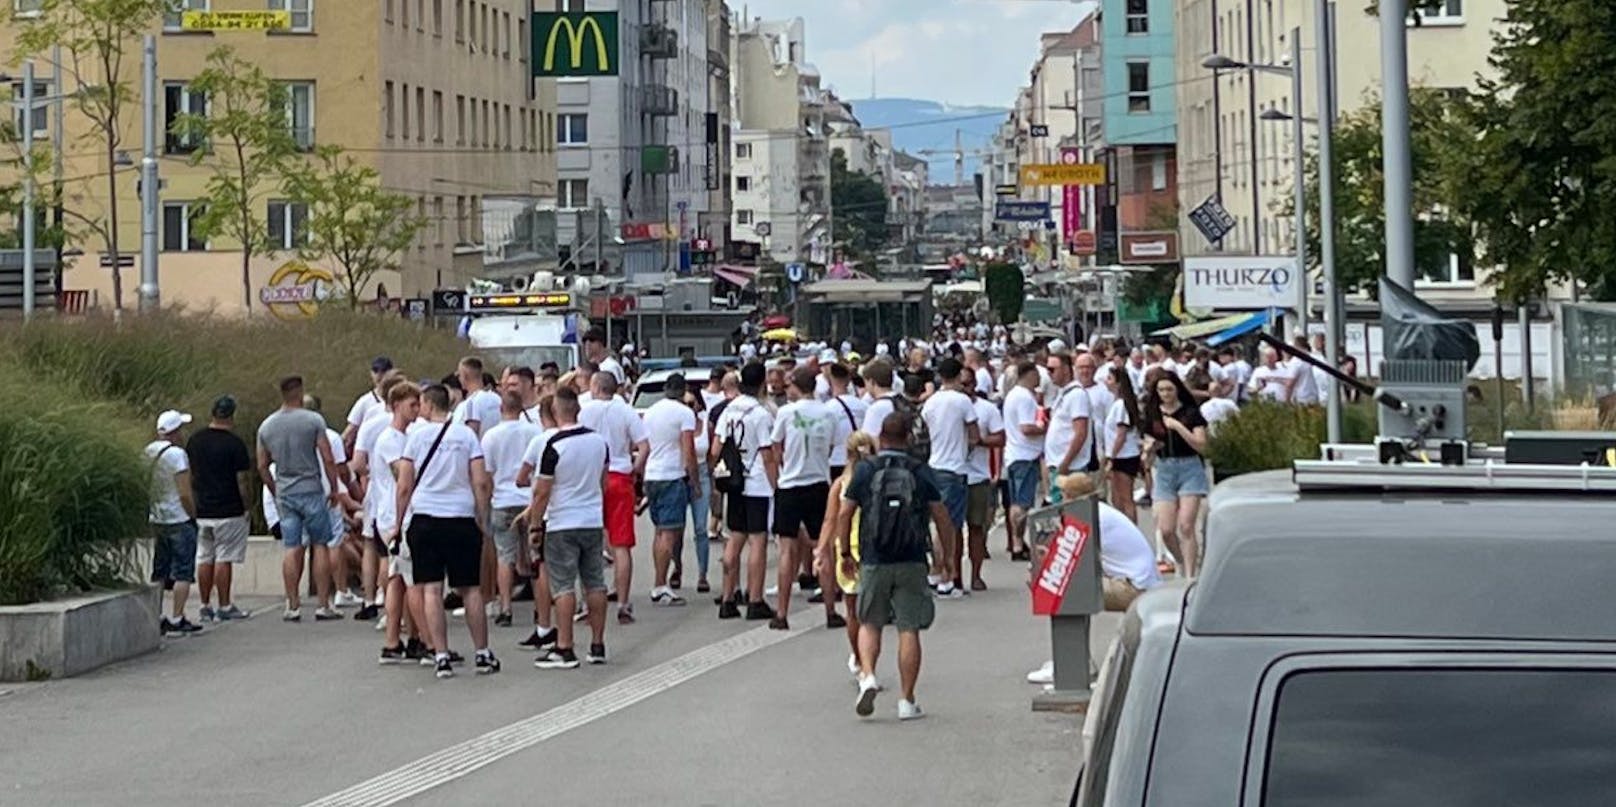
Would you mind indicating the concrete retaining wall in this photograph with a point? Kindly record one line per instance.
(260, 575)
(75, 635)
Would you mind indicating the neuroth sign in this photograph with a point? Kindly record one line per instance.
(1240, 282)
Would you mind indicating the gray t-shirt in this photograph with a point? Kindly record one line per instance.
(292, 437)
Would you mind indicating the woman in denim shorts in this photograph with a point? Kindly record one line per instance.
(1175, 434)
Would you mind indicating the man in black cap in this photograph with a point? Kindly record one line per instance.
(219, 460)
(372, 402)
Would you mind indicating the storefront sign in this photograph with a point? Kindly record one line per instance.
(1060, 561)
(295, 290)
(1153, 247)
(235, 20)
(575, 43)
(1021, 211)
(1240, 283)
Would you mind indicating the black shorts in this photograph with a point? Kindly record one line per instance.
(802, 507)
(446, 547)
(1129, 466)
(836, 472)
(747, 515)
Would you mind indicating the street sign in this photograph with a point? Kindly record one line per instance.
(1083, 242)
(1212, 220)
(763, 228)
(1006, 190)
(1149, 247)
(1240, 282)
(236, 21)
(1055, 174)
(794, 272)
(1040, 130)
(1021, 211)
(448, 301)
(415, 308)
(125, 261)
(579, 43)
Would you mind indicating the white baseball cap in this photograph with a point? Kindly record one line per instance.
(1056, 345)
(171, 421)
(827, 356)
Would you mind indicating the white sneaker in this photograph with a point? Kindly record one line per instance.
(460, 612)
(666, 596)
(1042, 675)
(292, 615)
(907, 710)
(771, 592)
(346, 599)
(853, 666)
(381, 622)
(868, 688)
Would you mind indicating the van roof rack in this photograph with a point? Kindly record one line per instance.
(1563, 462)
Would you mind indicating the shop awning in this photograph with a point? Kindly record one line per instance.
(1211, 327)
(1253, 322)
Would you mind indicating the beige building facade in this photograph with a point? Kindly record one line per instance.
(436, 95)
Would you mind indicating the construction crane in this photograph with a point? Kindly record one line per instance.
(959, 153)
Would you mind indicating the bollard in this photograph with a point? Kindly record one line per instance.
(1065, 583)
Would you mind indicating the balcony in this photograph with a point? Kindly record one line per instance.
(659, 41)
(659, 100)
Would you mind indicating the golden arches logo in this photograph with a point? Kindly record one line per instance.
(577, 32)
(295, 290)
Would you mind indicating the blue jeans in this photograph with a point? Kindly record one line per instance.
(668, 501)
(698, 515)
(174, 554)
(1022, 480)
(305, 520)
(955, 495)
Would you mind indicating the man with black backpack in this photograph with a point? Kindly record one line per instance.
(744, 470)
(894, 496)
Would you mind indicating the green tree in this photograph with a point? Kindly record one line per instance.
(1541, 183)
(248, 145)
(1006, 289)
(1439, 132)
(352, 220)
(859, 206)
(97, 38)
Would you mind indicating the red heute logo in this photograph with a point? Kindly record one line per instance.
(1055, 574)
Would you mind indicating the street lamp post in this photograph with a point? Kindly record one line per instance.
(28, 269)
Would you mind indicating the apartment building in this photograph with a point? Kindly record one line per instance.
(782, 146)
(1137, 209)
(436, 95)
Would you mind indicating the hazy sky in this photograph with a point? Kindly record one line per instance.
(958, 51)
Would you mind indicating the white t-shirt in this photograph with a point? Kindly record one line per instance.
(1117, 418)
(364, 407)
(365, 442)
(573, 458)
(1020, 407)
(1306, 390)
(752, 426)
(876, 415)
(666, 422)
(610, 365)
(481, 406)
(1239, 372)
(444, 491)
(984, 382)
(948, 414)
(849, 410)
(1137, 376)
(821, 388)
(1071, 403)
(1100, 400)
(1124, 552)
(807, 428)
(504, 443)
(382, 495)
(1269, 382)
(619, 425)
(710, 399)
(988, 423)
(166, 507)
(1217, 410)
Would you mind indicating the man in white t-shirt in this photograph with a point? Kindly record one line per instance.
(173, 517)
(1272, 381)
(749, 424)
(443, 493)
(878, 380)
(1023, 452)
(981, 372)
(849, 410)
(569, 499)
(671, 479)
(1236, 373)
(1126, 560)
(402, 595)
(1068, 446)
(480, 409)
(620, 426)
(1087, 369)
(504, 443)
(1306, 389)
(596, 350)
(952, 423)
(803, 434)
(373, 568)
(980, 495)
(343, 555)
(373, 401)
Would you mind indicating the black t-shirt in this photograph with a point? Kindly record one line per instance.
(217, 458)
(1172, 443)
(925, 375)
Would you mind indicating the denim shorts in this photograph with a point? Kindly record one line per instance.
(573, 556)
(305, 520)
(508, 540)
(669, 500)
(1179, 476)
(955, 495)
(174, 554)
(1022, 478)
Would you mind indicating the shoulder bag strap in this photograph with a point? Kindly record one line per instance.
(849, 411)
(432, 451)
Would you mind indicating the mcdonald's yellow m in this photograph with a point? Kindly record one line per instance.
(575, 45)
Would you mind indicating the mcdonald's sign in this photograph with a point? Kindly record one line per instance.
(575, 43)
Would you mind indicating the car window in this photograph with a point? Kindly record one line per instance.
(1105, 710)
(1442, 738)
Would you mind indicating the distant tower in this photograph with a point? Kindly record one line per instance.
(872, 75)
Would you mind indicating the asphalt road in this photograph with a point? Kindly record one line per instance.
(689, 711)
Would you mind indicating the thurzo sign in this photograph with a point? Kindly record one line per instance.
(1248, 282)
(575, 43)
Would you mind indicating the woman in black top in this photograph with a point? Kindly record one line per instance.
(1175, 436)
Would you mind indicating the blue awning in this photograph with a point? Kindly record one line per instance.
(1252, 322)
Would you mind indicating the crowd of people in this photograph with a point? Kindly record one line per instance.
(877, 480)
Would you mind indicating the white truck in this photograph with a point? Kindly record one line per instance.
(525, 329)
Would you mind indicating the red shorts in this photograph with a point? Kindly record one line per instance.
(620, 510)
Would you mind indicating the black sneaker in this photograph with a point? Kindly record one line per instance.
(414, 650)
(184, 627)
(557, 660)
(611, 596)
(729, 610)
(393, 655)
(807, 582)
(452, 601)
(779, 623)
(445, 668)
(1022, 555)
(367, 613)
(817, 597)
(540, 641)
(834, 620)
(429, 657)
(487, 664)
(503, 620)
(523, 593)
(756, 611)
(597, 654)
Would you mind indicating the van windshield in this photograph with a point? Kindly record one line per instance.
(1443, 738)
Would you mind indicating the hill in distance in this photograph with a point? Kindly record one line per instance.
(919, 125)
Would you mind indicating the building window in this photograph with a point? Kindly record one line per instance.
(24, 9)
(404, 112)
(508, 142)
(179, 99)
(420, 215)
(288, 224)
(420, 114)
(437, 221)
(460, 219)
(41, 111)
(302, 13)
(743, 151)
(460, 20)
(437, 116)
(179, 225)
(460, 120)
(521, 44)
(743, 183)
(403, 13)
(300, 113)
(1441, 12)
(574, 194)
(1138, 16)
(1138, 87)
(387, 106)
(174, 20)
(743, 217)
(1158, 171)
(505, 34)
(437, 17)
(572, 130)
(488, 126)
(420, 19)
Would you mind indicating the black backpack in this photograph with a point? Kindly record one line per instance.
(919, 434)
(730, 476)
(891, 515)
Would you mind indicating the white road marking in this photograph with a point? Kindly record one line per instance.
(456, 761)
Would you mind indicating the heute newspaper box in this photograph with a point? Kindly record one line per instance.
(1065, 584)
